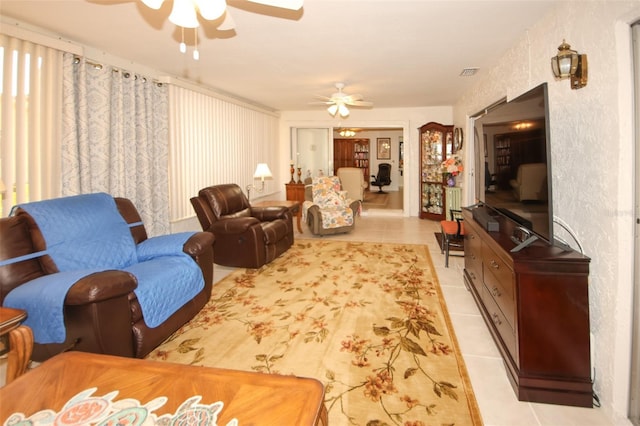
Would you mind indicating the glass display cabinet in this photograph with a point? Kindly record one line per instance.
(436, 145)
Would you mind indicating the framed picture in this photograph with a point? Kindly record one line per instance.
(384, 148)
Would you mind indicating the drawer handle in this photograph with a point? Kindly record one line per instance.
(473, 276)
(496, 292)
(494, 264)
(496, 319)
(473, 256)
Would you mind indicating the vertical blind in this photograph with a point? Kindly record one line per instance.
(30, 108)
(213, 141)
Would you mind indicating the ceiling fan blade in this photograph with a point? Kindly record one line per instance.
(321, 103)
(357, 97)
(283, 4)
(153, 4)
(361, 103)
(228, 23)
(323, 98)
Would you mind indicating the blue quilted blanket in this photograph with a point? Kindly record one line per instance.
(85, 234)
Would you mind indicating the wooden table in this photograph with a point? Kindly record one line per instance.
(293, 206)
(20, 341)
(251, 398)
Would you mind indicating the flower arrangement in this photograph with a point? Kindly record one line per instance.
(453, 165)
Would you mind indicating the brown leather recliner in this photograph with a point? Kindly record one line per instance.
(246, 236)
(101, 311)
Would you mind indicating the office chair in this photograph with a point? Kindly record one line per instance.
(383, 178)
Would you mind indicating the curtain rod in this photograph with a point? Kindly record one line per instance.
(99, 66)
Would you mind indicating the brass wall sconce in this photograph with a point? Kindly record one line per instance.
(570, 64)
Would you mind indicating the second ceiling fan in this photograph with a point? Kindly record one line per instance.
(339, 101)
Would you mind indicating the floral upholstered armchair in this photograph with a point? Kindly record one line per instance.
(326, 209)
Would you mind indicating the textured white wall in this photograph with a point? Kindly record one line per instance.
(592, 152)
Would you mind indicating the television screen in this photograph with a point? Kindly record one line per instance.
(515, 177)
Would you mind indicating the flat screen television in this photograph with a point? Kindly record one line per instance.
(515, 176)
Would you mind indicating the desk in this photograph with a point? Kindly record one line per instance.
(293, 206)
(251, 398)
(20, 341)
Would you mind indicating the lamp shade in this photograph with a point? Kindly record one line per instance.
(183, 14)
(211, 9)
(343, 110)
(565, 63)
(333, 109)
(262, 171)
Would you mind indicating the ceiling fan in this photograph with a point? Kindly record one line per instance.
(339, 100)
(184, 12)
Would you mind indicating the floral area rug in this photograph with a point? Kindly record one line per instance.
(368, 320)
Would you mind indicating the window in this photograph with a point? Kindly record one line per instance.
(29, 121)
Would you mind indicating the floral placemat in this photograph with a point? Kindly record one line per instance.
(86, 409)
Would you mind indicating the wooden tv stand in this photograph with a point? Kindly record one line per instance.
(535, 303)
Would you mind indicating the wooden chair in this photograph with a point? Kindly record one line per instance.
(452, 234)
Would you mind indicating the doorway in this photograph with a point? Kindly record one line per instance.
(391, 203)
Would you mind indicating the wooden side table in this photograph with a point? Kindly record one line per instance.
(250, 397)
(293, 206)
(295, 192)
(19, 342)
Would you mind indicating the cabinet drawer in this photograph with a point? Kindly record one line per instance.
(473, 242)
(503, 327)
(473, 259)
(499, 280)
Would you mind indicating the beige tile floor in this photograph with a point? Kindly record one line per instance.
(497, 401)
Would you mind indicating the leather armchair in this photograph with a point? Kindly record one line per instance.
(101, 312)
(246, 236)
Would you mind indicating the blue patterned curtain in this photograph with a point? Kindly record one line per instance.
(115, 138)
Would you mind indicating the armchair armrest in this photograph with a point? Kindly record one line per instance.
(101, 286)
(198, 243)
(236, 225)
(162, 245)
(269, 214)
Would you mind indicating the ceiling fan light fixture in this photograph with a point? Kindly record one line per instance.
(333, 110)
(211, 9)
(153, 4)
(184, 14)
(343, 110)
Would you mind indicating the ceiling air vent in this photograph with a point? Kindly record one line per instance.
(467, 72)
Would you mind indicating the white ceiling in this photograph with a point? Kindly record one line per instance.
(397, 53)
